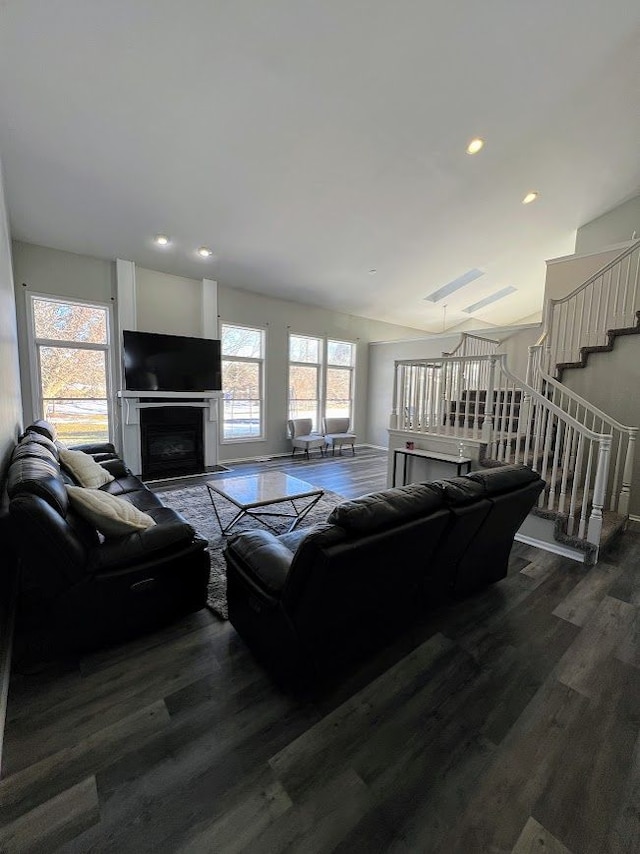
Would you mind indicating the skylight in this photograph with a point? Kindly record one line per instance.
(455, 285)
(491, 298)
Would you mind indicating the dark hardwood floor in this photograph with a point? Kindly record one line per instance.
(349, 476)
(509, 722)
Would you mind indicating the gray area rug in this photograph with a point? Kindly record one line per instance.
(195, 505)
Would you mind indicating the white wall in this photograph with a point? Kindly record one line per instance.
(10, 403)
(610, 381)
(615, 226)
(10, 426)
(279, 317)
(566, 273)
(172, 304)
(382, 356)
(168, 304)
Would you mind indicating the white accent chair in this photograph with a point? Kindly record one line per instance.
(337, 434)
(300, 432)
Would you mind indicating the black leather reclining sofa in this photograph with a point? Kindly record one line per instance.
(76, 590)
(303, 599)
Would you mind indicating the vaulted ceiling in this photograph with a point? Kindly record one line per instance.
(308, 143)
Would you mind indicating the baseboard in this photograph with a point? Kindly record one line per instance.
(555, 548)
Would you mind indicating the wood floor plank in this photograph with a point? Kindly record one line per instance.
(316, 750)
(584, 598)
(582, 796)
(505, 797)
(624, 832)
(43, 780)
(46, 827)
(535, 839)
(241, 823)
(106, 697)
(319, 821)
(187, 774)
(582, 665)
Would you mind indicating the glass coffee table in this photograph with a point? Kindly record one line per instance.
(252, 493)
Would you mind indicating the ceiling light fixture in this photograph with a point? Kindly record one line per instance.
(530, 197)
(161, 240)
(475, 145)
(372, 271)
(203, 252)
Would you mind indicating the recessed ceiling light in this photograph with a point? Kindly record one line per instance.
(530, 197)
(204, 252)
(372, 271)
(161, 240)
(475, 145)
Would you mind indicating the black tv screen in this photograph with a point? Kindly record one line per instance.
(154, 362)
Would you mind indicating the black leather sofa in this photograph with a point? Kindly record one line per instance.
(304, 599)
(78, 591)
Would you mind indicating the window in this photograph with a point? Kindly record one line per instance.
(304, 377)
(72, 368)
(242, 382)
(320, 378)
(339, 379)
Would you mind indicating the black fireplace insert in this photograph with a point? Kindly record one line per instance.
(172, 441)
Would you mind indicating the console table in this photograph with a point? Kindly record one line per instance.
(447, 459)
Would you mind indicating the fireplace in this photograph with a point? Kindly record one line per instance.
(171, 441)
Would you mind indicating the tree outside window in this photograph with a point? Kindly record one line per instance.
(72, 361)
(321, 375)
(242, 382)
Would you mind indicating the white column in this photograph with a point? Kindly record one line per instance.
(210, 309)
(127, 319)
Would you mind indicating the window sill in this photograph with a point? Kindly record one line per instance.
(243, 440)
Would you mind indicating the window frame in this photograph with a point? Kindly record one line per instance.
(352, 375)
(262, 381)
(319, 374)
(34, 344)
(323, 365)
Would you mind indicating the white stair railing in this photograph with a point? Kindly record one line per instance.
(624, 437)
(474, 345)
(607, 300)
(478, 397)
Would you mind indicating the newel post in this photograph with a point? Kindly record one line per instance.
(594, 529)
(487, 424)
(627, 474)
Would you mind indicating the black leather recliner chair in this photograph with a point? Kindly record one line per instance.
(302, 598)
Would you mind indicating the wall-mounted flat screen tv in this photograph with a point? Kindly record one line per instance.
(154, 362)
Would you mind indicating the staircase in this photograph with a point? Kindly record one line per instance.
(468, 401)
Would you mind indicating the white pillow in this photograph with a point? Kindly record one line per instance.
(112, 516)
(84, 468)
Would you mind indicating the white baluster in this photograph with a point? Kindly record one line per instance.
(566, 456)
(576, 469)
(585, 492)
(591, 337)
(627, 474)
(595, 520)
(613, 498)
(625, 291)
(487, 424)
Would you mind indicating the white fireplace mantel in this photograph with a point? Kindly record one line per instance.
(131, 404)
